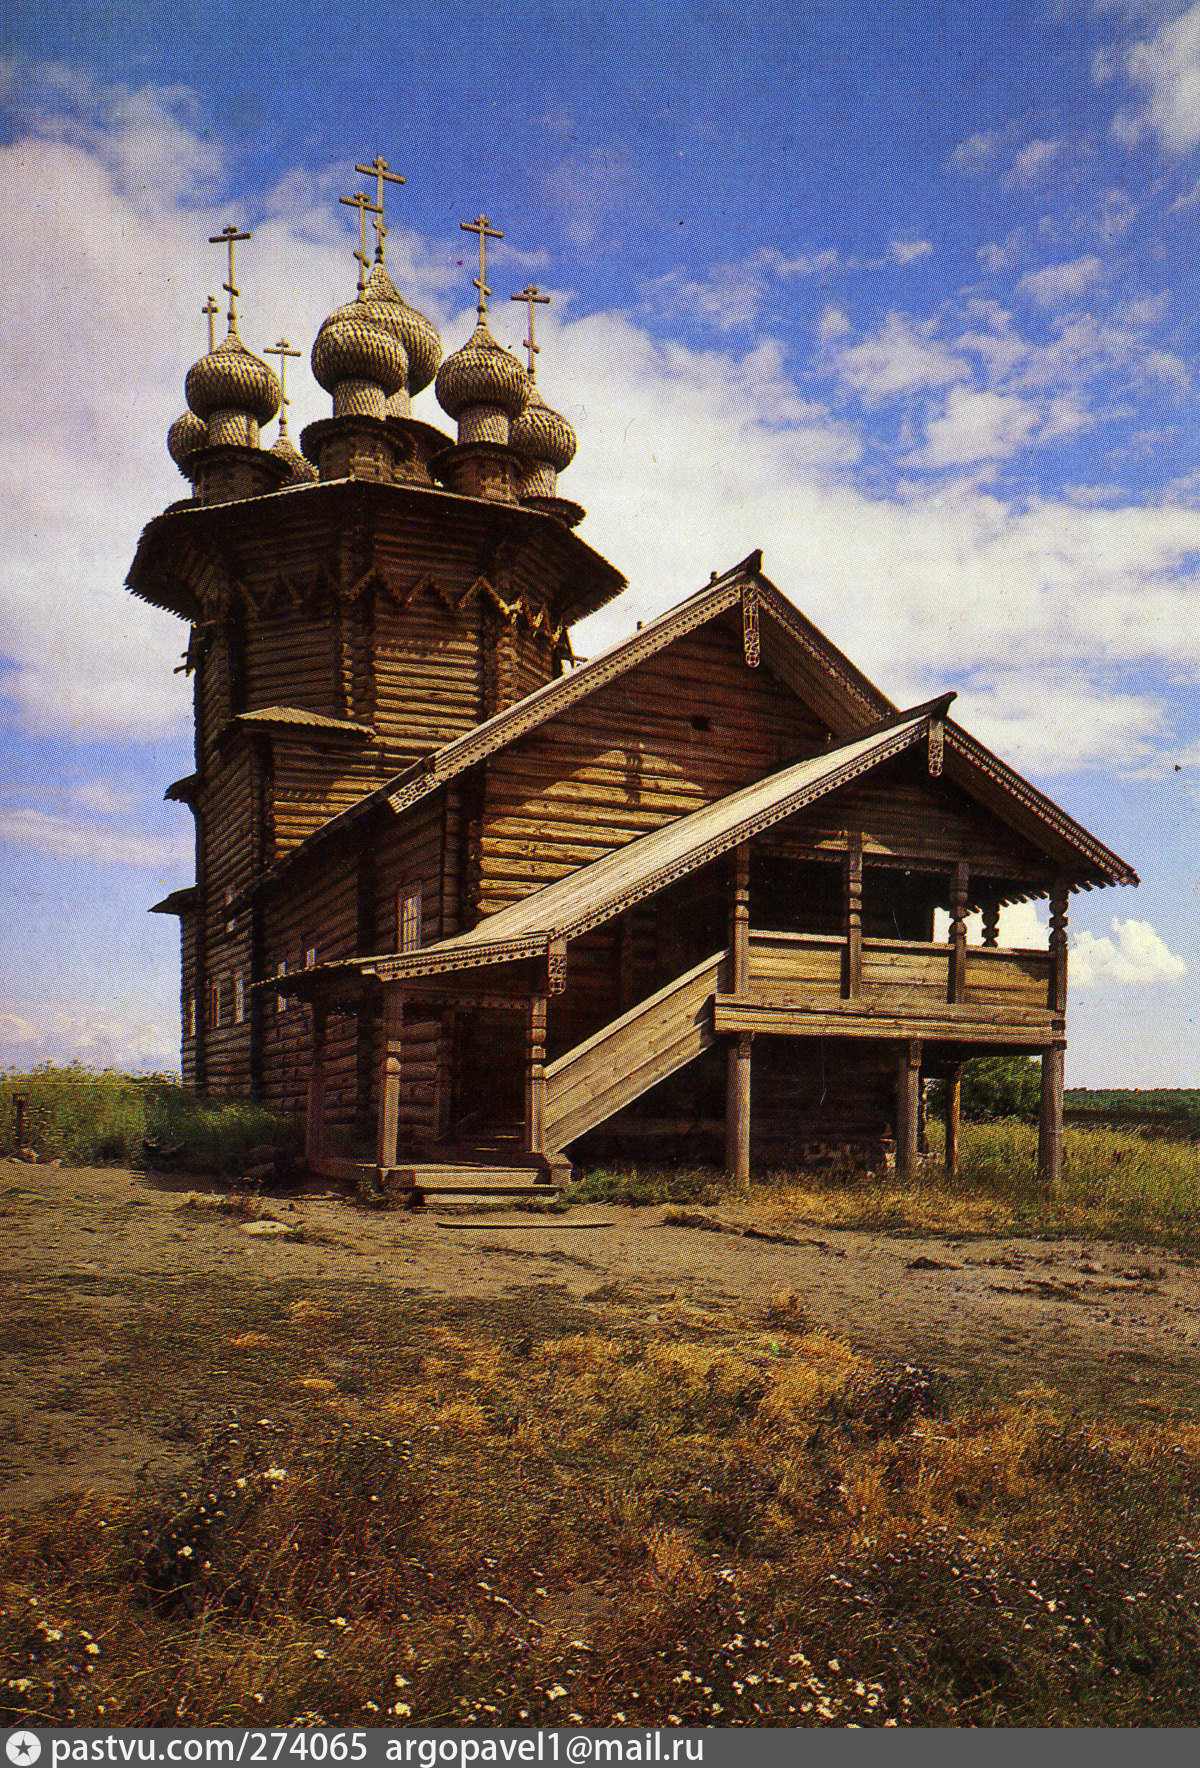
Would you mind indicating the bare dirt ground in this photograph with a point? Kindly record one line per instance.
(129, 1302)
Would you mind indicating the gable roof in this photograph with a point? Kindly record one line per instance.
(1000, 789)
(794, 649)
(594, 893)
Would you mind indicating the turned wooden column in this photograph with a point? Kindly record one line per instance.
(953, 1115)
(991, 922)
(535, 1076)
(908, 1107)
(1050, 1117)
(957, 984)
(389, 1080)
(314, 1127)
(853, 880)
(737, 1084)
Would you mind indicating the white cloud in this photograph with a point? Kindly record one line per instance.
(1164, 71)
(902, 356)
(911, 251)
(1032, 162)
(1061, 284)
(99, 1039)
(38, 831)
(832, 324)
(977, 426)
(1135, 955)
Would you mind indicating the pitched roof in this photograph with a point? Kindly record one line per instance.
(794, 649)
(595, 893)
(1000, 789)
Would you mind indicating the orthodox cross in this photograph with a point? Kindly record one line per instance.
(532, 297)
(359, 201)
(210, 310)
(227, 236)
(383, 175)
(283, 350)
(486, 231)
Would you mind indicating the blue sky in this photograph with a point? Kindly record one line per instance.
(905, 296)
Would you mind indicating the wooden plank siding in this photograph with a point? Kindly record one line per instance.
(678, 731)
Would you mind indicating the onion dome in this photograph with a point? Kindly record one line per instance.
(234, 392)
(186, 436)
(359, 362)
(484, 387)
(548, 443)
(382, 303)
(300, 471)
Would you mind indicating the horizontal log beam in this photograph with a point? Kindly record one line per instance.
(855, 1019)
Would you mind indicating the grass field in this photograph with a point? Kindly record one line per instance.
(85, 1117)
(569, 1513)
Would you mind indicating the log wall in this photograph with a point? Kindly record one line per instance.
(682, 729)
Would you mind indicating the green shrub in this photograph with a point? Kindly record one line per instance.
(86, 1118)
(1001, 1086)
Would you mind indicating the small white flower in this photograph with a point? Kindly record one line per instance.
(555, 1691)
(185, 1553)
(93, 1650)
(276, 1475)
(401, 1681)
(22, 1684)
(402, 1711)
(318, 1653)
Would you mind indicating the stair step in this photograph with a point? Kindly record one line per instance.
(473, 1181)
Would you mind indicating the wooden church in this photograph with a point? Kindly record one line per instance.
(480, 911)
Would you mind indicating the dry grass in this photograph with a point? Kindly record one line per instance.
(1116, 1184)
(563, 1512)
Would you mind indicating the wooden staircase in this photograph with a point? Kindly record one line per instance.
(653, 1040)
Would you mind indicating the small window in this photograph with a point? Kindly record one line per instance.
(410, 922)
(215, 1020)
(701, 722)
(310, 958)
(191, 1016)
(239, 999)
(281, 999)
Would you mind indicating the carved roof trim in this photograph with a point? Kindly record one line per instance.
(1034, 816)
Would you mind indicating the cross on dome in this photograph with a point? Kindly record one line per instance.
(210, 310)
(283, 350)
(483, 227)
(228, 236)
(532, 296)
(382, 173)
(360, 202)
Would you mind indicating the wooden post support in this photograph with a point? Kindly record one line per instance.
(314, 1128)
(535, 1076)
(852, 981)
(739, 922)
(908, 1107)
(953, 1113)
(991, 922)
(957, 984)
(1050, 1122)
(737, 1111)
(1057, 997)
(389, 1081)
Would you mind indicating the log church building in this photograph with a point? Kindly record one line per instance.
(478, 910)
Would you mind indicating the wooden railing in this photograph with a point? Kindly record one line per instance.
(801, 983)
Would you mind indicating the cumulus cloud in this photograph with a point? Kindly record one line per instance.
(1032, 162)
(104, 1039)
(1060, 284)
(903, 355)
(689, 457)
(1135, 955)
(1164, 71)
(60, 837)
